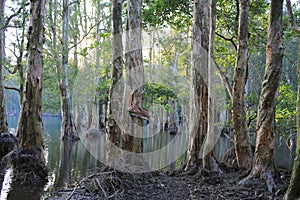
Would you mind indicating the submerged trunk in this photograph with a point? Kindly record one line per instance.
(3, 121)
(30, 127)
(68, 129)
(241, 137)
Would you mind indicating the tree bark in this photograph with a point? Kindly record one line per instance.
(113, 130)
(263, 164)
(241, 138)
(30, 126)
(3, 121)
(199, 89)
(131, 140)
(68, 129)
(293, 191)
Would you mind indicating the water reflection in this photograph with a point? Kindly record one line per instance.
(67, 149)
(69, 162)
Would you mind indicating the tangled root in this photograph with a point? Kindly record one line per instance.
(8, 142)
(28, 166)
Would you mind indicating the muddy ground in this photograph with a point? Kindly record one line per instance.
(109, 184)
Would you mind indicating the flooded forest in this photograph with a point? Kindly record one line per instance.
(152, 99)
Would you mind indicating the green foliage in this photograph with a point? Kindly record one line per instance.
(159, 13)
(158, 94)
(286, 109)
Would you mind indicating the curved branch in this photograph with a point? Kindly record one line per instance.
(227, 39)
(12, 88)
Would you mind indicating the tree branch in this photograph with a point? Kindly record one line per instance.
(225, 80)
(12, 88)
(13, 15)
(91, 28)
(291, 15)
(227, 39)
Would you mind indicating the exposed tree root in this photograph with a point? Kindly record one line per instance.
(109, 184)
(28, 166)
(8, 142)
(265, 175)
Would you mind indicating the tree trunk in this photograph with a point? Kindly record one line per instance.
(263, 164)
(210, 141)
(30, 127)
(241, 137)
(199, 90)
(293, 191)
(3, 121)
(113, 130)
(132, 138)
(68, 129)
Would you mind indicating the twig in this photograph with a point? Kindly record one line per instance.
(83, 180)
(91, 28)
(13, 15)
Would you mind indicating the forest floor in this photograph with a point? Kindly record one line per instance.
(174, 186)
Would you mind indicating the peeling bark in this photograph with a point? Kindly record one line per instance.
(199, 89)
(134, 76)
(241, 137)
(30, 126)
(113, 130)
(263, 163)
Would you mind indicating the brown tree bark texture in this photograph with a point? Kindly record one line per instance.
(113, 130)
(241, 137)
(264, 151)
(199, 90)
(30, 126)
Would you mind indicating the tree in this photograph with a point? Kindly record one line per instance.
(241, 138)
(68, 129)
(30, 126)
(293, 191)
(132, 139)
(263, 163)
(3, 121)
(113, 131)
(199, 89)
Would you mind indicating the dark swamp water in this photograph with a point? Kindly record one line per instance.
(69, 163)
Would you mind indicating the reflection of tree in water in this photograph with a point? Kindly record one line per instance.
(66, 154)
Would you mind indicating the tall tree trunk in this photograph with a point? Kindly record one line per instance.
(263, 163)
(241, 137)
(30, 127)
(3, 121)
(113, 130)
(208, 150)
(132, 140)
(68, 129)
(199, 89)
(293, 191)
